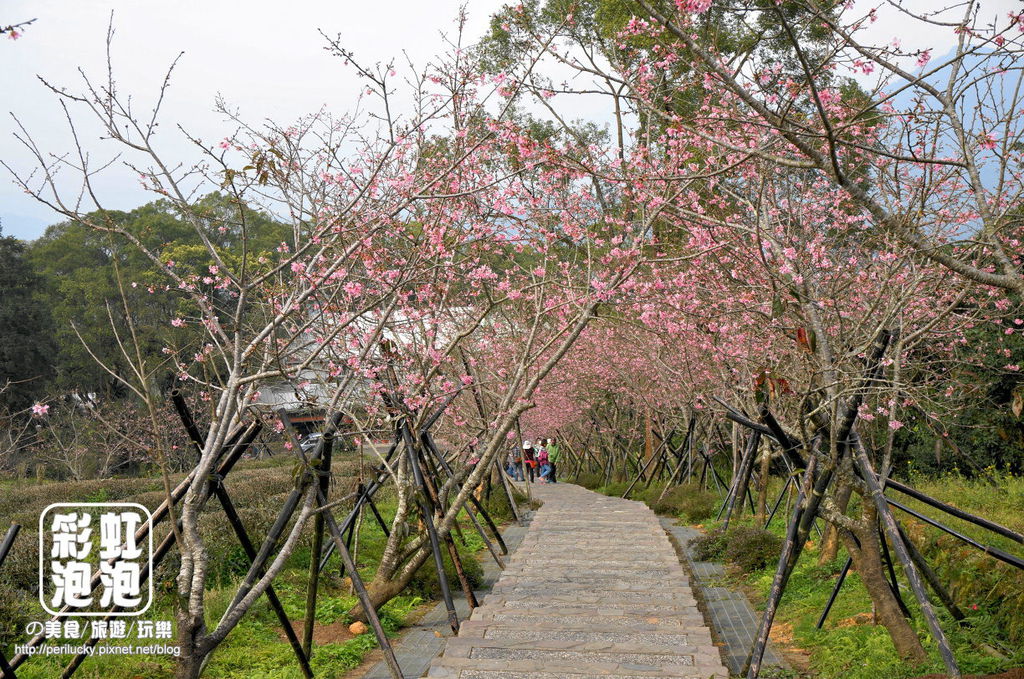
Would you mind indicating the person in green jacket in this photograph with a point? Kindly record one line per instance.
(553, 456)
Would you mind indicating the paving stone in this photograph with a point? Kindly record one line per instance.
(595, 589)
(460, 667)
(581, 597)
(606, 603)
(552, 657)
(501, 674)
(420, 644)
(658, 644)
(732, 616)
(635, 640)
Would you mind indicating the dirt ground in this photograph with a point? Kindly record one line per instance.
(374, 656)
(335, 633)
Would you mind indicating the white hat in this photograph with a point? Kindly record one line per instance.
(527, 444)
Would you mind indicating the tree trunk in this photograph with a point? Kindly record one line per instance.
(189, 664)
(384, 589)
(868, 561)
(830, 540)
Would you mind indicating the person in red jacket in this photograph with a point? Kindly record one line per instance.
(529, 460)
(543, 465)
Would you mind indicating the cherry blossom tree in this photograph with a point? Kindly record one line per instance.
(760, 230)
(828, 218)
(417, 241)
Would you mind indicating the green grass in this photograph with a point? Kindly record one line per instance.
(988, 591)
(255, 648)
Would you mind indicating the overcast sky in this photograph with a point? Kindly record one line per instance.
(265, 57)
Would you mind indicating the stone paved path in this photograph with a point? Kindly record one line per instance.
(424, 641)
(595, 589)
(732, 616)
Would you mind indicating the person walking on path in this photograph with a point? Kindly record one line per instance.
(529, 460)
(544, 465)
(513, 465)
(553, 456)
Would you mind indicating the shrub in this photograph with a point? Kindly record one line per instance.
(749, 548)
(752, 548)
(497, 504)
(522, 501)
(689, 501)
(590, 480)
(14, 614)
(425, 584)
(710, 546)
(617, 488)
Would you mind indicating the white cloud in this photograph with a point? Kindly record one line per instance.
(895, 23)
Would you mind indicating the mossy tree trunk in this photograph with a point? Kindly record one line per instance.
(830, 540)
(867, 558)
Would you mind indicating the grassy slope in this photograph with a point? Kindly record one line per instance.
(255, 649)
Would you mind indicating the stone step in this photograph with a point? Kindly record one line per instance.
(510, 589)
(567, 533)
(621, 609)
(593, 545)
(617, 552)
(601, 604)
(543, 594)
(609, 582)
(639, 519)
(461, 646)
(546, 611)
(570, 552)
(583, 597)
(567, 652)
(598, 581)
(571, 555)
(574, 539)
(523, 666)
(543, 567)
(640, 525)
(641, 529)
(595, 589)
(489, 629)
(586, 620)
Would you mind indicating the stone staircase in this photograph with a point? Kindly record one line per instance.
(595, 589)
